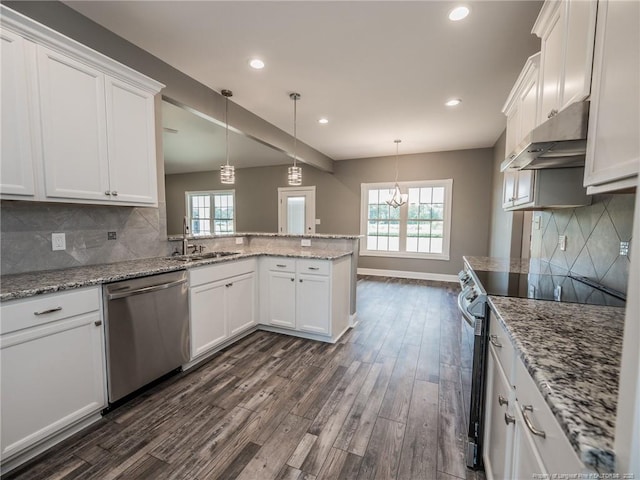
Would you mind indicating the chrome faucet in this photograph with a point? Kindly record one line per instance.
(185, 241)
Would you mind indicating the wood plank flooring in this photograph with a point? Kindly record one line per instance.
(388, 401)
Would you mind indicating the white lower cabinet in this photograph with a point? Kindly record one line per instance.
(52, 367)
(522, 438)
(222, 302)
(308, 296)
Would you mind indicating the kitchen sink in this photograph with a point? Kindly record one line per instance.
(202, 256)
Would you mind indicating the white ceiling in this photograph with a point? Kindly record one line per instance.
(378, 70)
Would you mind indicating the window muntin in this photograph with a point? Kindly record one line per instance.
(211, 209)
(418, 229)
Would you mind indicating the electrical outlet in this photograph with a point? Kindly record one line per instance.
(305, 242)
(58, 241)
(536, 222)
(239, 240)
(562, 241)
(624, 249)
(112, 235)
(317, 221)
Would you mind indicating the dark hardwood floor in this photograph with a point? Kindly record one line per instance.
(388, 401)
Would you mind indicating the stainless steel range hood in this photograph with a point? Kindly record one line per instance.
(560, 142)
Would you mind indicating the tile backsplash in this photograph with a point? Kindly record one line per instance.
(593, 235)
(26, 228)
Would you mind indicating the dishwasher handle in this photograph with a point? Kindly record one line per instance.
(139, 291)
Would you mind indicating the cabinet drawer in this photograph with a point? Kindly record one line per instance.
(281, 264)
(216, 272)
(555, 450)
(41, 309)
(313, 267)
(502, 345)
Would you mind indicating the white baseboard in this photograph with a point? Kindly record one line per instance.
(439, 277)
(353, 319)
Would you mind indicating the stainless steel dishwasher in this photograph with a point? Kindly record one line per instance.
(147, 326)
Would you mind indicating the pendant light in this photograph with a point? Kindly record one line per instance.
(295, 172)
(398, 198)
(227, 172)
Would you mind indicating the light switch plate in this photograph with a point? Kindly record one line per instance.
(562, 241)
(624, 249)
(317, 221)
(239, 240)
(536, 222)
(58, 241)
(305, 242)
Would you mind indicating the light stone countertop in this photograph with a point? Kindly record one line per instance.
(572, 351)
(25, 285)
(328, 236)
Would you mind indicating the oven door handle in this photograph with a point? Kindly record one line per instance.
(471, 320)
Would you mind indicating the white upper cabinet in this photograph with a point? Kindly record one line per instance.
(566, 29)
(91, 118)
(17, 175)
(613, 149)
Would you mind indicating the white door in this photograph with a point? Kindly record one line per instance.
(297, 210)
(208, 327)
(16, 175)
(312, 303)
(240, 303)
(282, 299)
(73, 128)
(131, 140)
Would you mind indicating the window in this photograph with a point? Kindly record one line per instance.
(211, 213)
(419, 229)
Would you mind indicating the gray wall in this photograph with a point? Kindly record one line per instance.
(593, 235)
(506, 227)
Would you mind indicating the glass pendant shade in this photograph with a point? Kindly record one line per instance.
(295, 176)
(228, 174)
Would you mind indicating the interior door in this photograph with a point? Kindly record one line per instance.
(297, 210)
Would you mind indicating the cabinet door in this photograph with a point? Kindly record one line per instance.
(282, 299)
(131, 143)
(509, 188)
(16, 174)
(526, 459)
(513, 130)
(498, 435)
(529, 105)
(207, 315)
(613, 150)
(581, 19)
(524, 187)
(51, 377)
(551, 62)
(240, 303)
(73, 128)
(312, 304)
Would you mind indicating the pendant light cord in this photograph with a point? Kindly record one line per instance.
(397, 142)
(226, 121)
(295, 133)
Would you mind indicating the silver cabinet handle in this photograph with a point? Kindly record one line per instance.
(107, 192)
(279, 265)
(552, 113)
(114, 193)
(527, 420)
(509, 419)
(314, 268)
(300, 280)
(502, 400)
(229, 285)
(98, 323)
(293, 279)
(494, 341)
(51, 310)
(153, 288)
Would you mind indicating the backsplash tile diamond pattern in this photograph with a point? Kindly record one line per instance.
(593, 235)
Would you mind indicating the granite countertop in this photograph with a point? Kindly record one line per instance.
(25, 285)
(332, 236)
(512, 265)
(572, 352)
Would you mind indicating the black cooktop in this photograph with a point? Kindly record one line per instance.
(560, 288)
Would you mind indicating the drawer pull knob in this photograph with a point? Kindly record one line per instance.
(494, 341)
(114, 193)
(527, 420)
(107, 193)
(51, 310)
(280, 265)
(97, 323)
(509, 419)
(293, 279)
(314, 268)
(229, 285)
(502, 401)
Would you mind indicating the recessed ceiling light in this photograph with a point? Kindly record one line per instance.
(458, 13)
(453, 102)
(323, 121)
(256, 63)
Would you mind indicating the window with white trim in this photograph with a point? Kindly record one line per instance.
(211, 212)
(421, 228)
